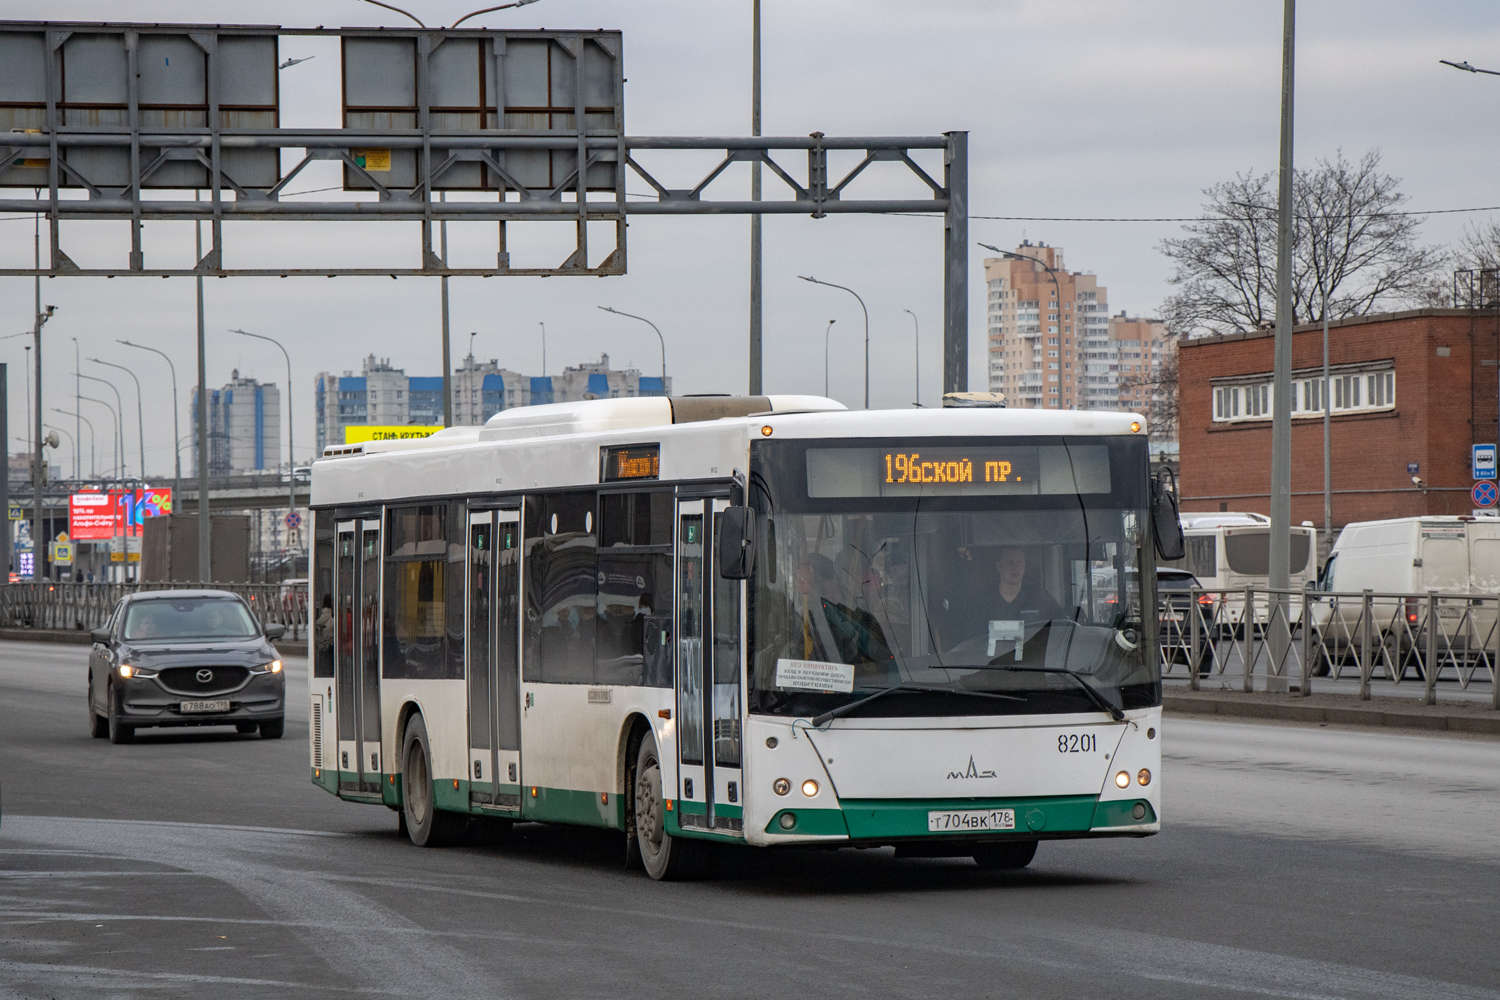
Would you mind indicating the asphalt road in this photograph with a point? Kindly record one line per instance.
(1297, 862)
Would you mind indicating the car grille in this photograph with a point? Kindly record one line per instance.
(186, 680)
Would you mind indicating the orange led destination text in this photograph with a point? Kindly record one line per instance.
(637, 467)
(911, 469)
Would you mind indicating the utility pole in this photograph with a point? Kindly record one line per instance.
(755, 260)
(447, 359)
(38, 475)
(1281, 399)
(5, 532)
(205, 571)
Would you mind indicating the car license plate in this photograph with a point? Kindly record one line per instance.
(220, 705)
(971, 820)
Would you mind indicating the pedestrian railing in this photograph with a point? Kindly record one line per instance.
(1273, 639)
(84, 606)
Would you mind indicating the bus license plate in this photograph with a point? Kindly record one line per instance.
(971, 820)
(221, 705)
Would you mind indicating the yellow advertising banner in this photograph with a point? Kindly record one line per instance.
(359, 433)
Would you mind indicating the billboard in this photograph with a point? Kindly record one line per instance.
(358, 433)
(91, 517)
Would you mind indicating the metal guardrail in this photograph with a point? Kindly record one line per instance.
(1433, 640)
(84, 606)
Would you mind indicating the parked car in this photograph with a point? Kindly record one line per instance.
(185, 658)
(1410, 556)
(1177, 604)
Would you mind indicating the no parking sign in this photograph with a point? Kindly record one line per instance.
(1484, 494)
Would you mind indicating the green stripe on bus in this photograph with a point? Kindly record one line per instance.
(908, 817)
(567, 805)
(810, 823)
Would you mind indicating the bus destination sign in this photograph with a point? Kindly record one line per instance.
(631, 461)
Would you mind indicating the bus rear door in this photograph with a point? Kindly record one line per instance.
(357, 656)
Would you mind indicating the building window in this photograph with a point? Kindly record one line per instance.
(1354, 389)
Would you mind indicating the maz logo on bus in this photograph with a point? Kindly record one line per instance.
(971, 772)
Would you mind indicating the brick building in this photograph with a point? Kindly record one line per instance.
(1411, 392)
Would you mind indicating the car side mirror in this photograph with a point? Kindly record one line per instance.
(99, 635)
(1166, 523)
(275, 631)
(737, 543)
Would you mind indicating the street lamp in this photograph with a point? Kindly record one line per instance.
(291, 452)
(826, 331)
(917, 340)
(867, 328)
(1056, 288)
(611, 309)
(176, 440)
(1467, 68)
(140, 419)
(120, 415)
(93, 465)
(115, 423)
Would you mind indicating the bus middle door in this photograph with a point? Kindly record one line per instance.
(493, 646)
(357, 656)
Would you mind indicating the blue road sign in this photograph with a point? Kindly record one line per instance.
(293, 520)
(1483, 461)
(1485, 494)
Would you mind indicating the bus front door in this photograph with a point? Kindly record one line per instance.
(708, 677)
(493, 661)
(357, 656)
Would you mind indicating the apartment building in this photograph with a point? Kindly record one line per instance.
(244, 427)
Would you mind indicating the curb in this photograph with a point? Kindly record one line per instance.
(1445, 719)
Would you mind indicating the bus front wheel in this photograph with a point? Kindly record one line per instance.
(665, 857)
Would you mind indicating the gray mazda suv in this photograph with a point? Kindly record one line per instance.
(185, 658)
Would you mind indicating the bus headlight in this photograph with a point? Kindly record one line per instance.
(809, 788)
(1144, 777)
(1122, 780)
(781, 786)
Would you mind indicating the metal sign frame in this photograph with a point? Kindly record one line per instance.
(601, 146)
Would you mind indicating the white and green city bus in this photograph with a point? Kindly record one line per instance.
(755, 620)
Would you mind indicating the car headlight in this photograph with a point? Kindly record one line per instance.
(127, 671)
(274, 667)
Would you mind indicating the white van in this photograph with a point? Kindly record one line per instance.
(1230, 551)
(1412, 555)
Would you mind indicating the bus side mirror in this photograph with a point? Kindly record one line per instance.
(1165, 521)
(737, 543)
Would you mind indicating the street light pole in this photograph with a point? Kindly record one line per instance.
(610, 309)
(291, 450)
(120, 412)
(867, 328)
(77, 388)
(1281, 402)
(176, 439)
(140, 419)
(826, 331)
(756, 367)
(916, 329)
(114, 422)
(86, 422)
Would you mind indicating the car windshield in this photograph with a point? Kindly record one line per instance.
(188, 618)
(970, 604)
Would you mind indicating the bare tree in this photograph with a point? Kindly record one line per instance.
(1161, 408)
(1350, 242)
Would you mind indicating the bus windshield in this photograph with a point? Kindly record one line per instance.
(968, 601)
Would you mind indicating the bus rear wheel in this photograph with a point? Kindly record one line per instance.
(426, 825)
(665, 857)
(1005, 855)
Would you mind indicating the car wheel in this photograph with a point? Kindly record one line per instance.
(1005, 855)
(426, 825)
(666, 858)
(272, 729)
(119, 732)
(246, 727)
(98, 724)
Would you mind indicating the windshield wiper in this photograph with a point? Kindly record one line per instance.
(819, 721)
(1089, 689)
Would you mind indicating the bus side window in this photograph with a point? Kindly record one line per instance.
(561, 587)
(634, 600)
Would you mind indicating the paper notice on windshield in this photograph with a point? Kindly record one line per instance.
(1006, 631)
(815, 675)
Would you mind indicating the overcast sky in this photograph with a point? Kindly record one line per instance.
(1074, 108)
